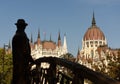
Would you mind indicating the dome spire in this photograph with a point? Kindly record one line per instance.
(93, 20)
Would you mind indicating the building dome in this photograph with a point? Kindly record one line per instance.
(94, 33)
(49, 45)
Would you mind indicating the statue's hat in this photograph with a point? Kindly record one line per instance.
(21, 22)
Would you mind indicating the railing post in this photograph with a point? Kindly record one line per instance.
(77, 79)
(52, 73)
(79, 72)
(38, 73)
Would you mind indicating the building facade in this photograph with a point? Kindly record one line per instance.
(93, 38)
(47, 48)
(95, 53)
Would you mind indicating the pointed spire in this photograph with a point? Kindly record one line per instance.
(31, 38)
(93, 20)
(65, 45)
(78, 51)
(78, 55)
(50, 38)
(38, 39)
(59, 40)
(38, 33)
(31, 42)
(9, 45)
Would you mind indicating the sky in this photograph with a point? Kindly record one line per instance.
(70, 17)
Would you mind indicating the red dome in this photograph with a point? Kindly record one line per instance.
(94, 33)
(49, 45)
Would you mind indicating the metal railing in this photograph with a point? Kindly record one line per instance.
(62, 71)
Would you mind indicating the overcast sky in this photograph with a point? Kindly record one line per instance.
(72, 17)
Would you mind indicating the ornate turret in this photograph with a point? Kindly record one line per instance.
(78, 55)
(38, 33)
(31, 40)
(59, 40)
(46, 48)
(65, 44)
(9, 45)
(38, 39)
(8, 50)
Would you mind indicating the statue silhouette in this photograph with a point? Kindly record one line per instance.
(21, 54)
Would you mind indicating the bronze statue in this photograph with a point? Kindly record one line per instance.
(21, 54)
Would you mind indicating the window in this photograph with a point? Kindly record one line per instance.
(91, 42)
(96, 42)
(87, 43)
(91, 45)
(100, 42)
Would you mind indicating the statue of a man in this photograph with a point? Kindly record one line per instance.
(21, 54)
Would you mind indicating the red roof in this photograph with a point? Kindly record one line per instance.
(94, 33)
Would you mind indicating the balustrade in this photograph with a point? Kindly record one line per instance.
(62, 71)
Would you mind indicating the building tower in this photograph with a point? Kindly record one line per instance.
(38, 38)
(65, 45)
(31, 42)
(59, 40)
(46, 48)
(93, 38)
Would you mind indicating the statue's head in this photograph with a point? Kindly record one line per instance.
(21, 24)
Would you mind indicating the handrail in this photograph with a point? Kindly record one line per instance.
(80, 72)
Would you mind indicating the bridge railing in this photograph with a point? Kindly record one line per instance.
(62, 71)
